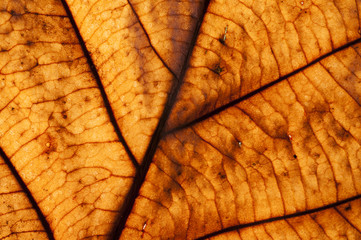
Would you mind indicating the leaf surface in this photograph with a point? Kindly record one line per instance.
(180, 120)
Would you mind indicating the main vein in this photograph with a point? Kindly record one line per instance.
(263, 88)
(100, 85)
(297, 214)
(148, 157)
(27, 192)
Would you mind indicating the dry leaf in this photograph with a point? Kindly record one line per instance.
(180, 119)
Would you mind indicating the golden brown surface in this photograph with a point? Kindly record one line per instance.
(335, 223)
(53, 125)
(292, 148)
(265, 40)
(17, 218)
(281, 161)
(136, 73)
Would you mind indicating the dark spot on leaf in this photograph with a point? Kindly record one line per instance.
(218, 69)
(316, 155)
(49, 142)
(295, 156)
(167, 191)
(348, 208)
(221, 41)
(64, 115)
(184, 108)
(222, 175)
(342, 134)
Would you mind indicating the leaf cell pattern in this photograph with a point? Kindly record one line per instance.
(180, 119)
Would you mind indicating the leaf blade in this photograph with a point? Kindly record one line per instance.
(302, 156)
(265, 42)
(54, 126)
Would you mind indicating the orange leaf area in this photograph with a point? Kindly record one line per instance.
(180, 119)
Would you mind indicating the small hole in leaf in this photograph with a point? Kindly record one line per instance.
(144, 225)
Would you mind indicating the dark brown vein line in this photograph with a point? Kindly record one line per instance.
(100, 85)
(269, 220)
(148, 157)
(28, 194)
(251, 94)
(150, 43)
(348, 221)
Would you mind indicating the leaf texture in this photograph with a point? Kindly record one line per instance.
(54, 127)
(180, 119)
(17, 216)
(265, 41)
